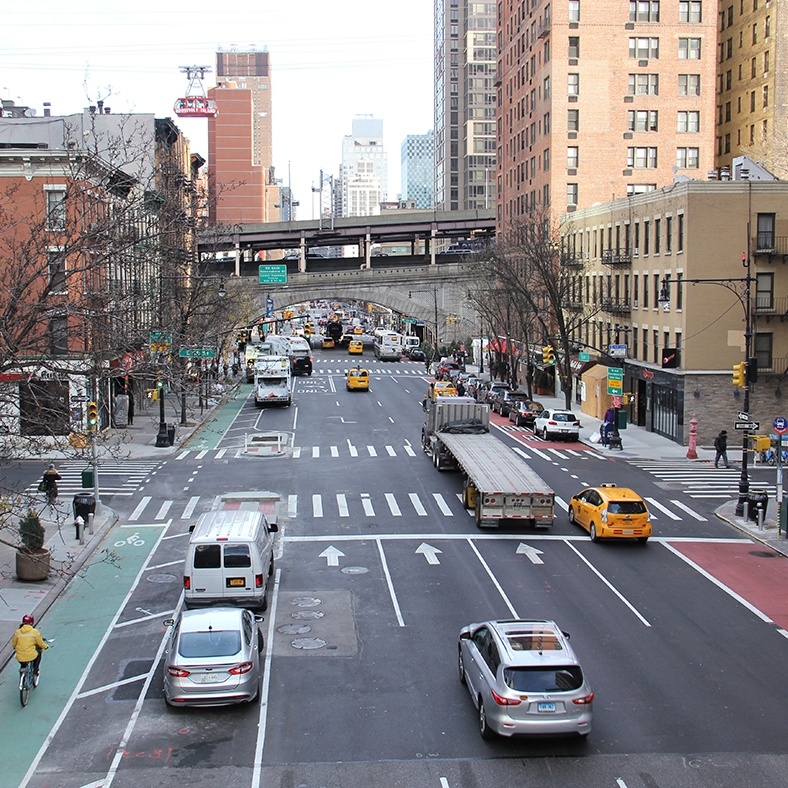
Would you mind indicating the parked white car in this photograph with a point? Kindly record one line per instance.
(557, 423)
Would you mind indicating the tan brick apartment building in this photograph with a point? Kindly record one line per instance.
(622, 250)
(597, 100)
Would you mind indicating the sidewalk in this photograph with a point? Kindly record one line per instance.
(68, 556)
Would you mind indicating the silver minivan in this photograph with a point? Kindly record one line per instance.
(229, 560)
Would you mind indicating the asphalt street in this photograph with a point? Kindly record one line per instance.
(378, 567)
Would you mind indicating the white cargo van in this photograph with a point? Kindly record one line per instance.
(229, 560)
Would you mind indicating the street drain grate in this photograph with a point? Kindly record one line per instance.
(294, 629)
(307, 615)
(354, 570)
(306, 601)
(308, 643)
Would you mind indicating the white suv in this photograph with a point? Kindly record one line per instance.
(559, 423)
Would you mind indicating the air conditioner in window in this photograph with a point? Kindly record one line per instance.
(636, 251)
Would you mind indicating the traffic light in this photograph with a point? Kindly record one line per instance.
(92, 415)
(740, 374)
(548, 355)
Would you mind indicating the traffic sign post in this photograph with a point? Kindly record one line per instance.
(750, 426)
(273, 274)
(615, 381)
(781, 427)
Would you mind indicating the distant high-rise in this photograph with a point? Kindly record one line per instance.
(364, 178)
(465, 99)
(418, 169)
(240, 140)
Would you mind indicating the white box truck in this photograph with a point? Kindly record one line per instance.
(273, 381)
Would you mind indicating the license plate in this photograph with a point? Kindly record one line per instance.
(628, 531)
(215, 678)
(545, 707)
(236, 582)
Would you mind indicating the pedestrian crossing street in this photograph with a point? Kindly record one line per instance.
(115, 478)
(701, 481)
(363, 504)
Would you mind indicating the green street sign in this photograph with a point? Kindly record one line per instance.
(160, 341)
(273, 274)
(197, 352)
(615, 380)
(409, 320)
(584, 356)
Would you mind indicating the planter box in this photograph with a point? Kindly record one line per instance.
(32, 566)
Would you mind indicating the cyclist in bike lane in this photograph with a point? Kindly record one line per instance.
(29, 645)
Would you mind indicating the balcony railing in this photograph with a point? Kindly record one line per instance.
(572, 305)
(616, 306)
(573, 260)
(544, 28)
(769, 243)
(617, 258)
(766, 305)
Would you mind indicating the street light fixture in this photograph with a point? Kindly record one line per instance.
(740, 287)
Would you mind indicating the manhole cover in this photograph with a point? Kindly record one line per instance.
(163, 577)
(308, 643)
(354, 570)
(763, 553)
(307, 615)
(294, 629)
(306, 601)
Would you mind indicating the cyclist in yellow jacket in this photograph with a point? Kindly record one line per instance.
(28, 644)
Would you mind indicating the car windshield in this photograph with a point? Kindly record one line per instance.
(559, 679)
(564, 417)
(213, 643)
(626, 507)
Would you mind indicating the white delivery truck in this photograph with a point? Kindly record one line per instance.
(388, 345)
(497, 483)
(273, 381)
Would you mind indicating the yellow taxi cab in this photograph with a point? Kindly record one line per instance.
(357, 379)
(327, 343)
(358, 330)
(355, 347)
(610, 511)
(442, 388)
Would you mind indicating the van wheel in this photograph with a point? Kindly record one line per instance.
(264, 602)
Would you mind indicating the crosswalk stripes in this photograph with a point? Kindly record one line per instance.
(312, 452)
(115, 478)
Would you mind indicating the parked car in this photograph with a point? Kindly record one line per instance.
(524, 677)
(610, 511)
(416, 354)
(442, 370)
(557, 423)
(213, 657)
(504, 400)
(525, 413)
(494, 387)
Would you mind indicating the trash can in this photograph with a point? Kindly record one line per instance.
(84, 505)
(171, 434)
(87, 478)
(622, 419)
(755, 502)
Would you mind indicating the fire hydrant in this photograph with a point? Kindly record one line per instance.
(692, 450)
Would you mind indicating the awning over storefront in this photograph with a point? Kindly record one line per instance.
(503, 346)
(579, 367)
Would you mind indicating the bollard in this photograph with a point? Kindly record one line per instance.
(90, 523)
(79, 524)
(761, 517)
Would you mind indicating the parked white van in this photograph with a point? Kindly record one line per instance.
(229, 560)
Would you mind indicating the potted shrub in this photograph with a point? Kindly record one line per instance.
(32, 559)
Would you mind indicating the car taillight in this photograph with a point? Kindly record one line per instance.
(187, 581)
(584, 701)
(501, 701)
(244, 667)
(179, 673)
(552, 422)
(603, 516)
(258, 581)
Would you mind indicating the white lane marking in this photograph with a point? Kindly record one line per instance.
(353, 450)
(265, 689)
(182, 455)
(143, 618)
(317, 506)
(409, 451)
(366, 502)
(335, 451)
(531, 552)
(295, 418)
(430, 553)
(497, 536)
(220, 454)
(444, 782)
(201, 454)
(189, 510)
(372, 451)
(620, 783)
(540, 453)
(417, 505)
(391, 452)
(296, 452)
(689, 511)
(106, 688)
(332, 555)
(606, 582)
(342, 505)
(168, 563)
(719, 584)
(135, 515)
(292, 505)
(390, 585)
(315, 451)
(562, 503)
(492, 577)
(521, 453)
(442, 505)
(574, 452)
(558, 454)
(659, 506)
(392, 502)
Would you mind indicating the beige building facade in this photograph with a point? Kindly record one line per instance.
(680, 355)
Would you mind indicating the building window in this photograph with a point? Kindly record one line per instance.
(645, 344)
(644, 84)
(644, 11)
(574, 46)
(642, 120)
(574, 10)
(573, 84)
(57, 271)
(58, 335)
(680, 236)
(752, 101)
(766, 62)
(753, 69)
(573, 120)
(688, 121)
(668, 235)
(546, 87)
(571, 194)
(643, 48)
(764, 291)
(646, 247)
(729, 79)
(689, 49)
(765, 238)
(657, 244)
(727, 143)
(767, 27)
(679, 290)
(546, 160)
(755, 34)
(546, 122)
(763, 350)
(727, 112)
(687, 158)
(765, 95)
(642, 158)
(572, 157)
(690, 11)
(689, 84)
(56, 210)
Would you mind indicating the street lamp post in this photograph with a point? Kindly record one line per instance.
(740, 287)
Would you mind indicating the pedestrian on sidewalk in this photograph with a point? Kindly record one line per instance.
(607, 426)
(721, 447)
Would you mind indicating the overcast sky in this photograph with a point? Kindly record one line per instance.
(330, 61)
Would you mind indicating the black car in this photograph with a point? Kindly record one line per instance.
(525, 413)
(416, 354)
(504, 400)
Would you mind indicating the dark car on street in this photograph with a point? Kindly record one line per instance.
(525, 413)
(504, 401)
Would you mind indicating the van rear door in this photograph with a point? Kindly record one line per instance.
(237, 574)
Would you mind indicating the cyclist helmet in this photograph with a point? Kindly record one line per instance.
(28, 620)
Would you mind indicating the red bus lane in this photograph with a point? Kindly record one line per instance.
(756, 573)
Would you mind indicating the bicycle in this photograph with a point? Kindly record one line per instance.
(28, 679)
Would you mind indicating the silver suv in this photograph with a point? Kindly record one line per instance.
(524, 677)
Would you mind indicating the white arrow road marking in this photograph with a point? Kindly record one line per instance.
(429, 552)
(332, 555)
(532, 553)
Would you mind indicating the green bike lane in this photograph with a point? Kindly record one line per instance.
(210, 434)
(78, 623)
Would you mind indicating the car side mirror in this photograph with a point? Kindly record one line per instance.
(191, 528)
(169, 622)
(565, 634)
(273, 527)
(465, 635)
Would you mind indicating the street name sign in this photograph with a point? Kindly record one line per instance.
(584, 356)
(197, 352)
(273, 274)
(747, 425)
(615, 380)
